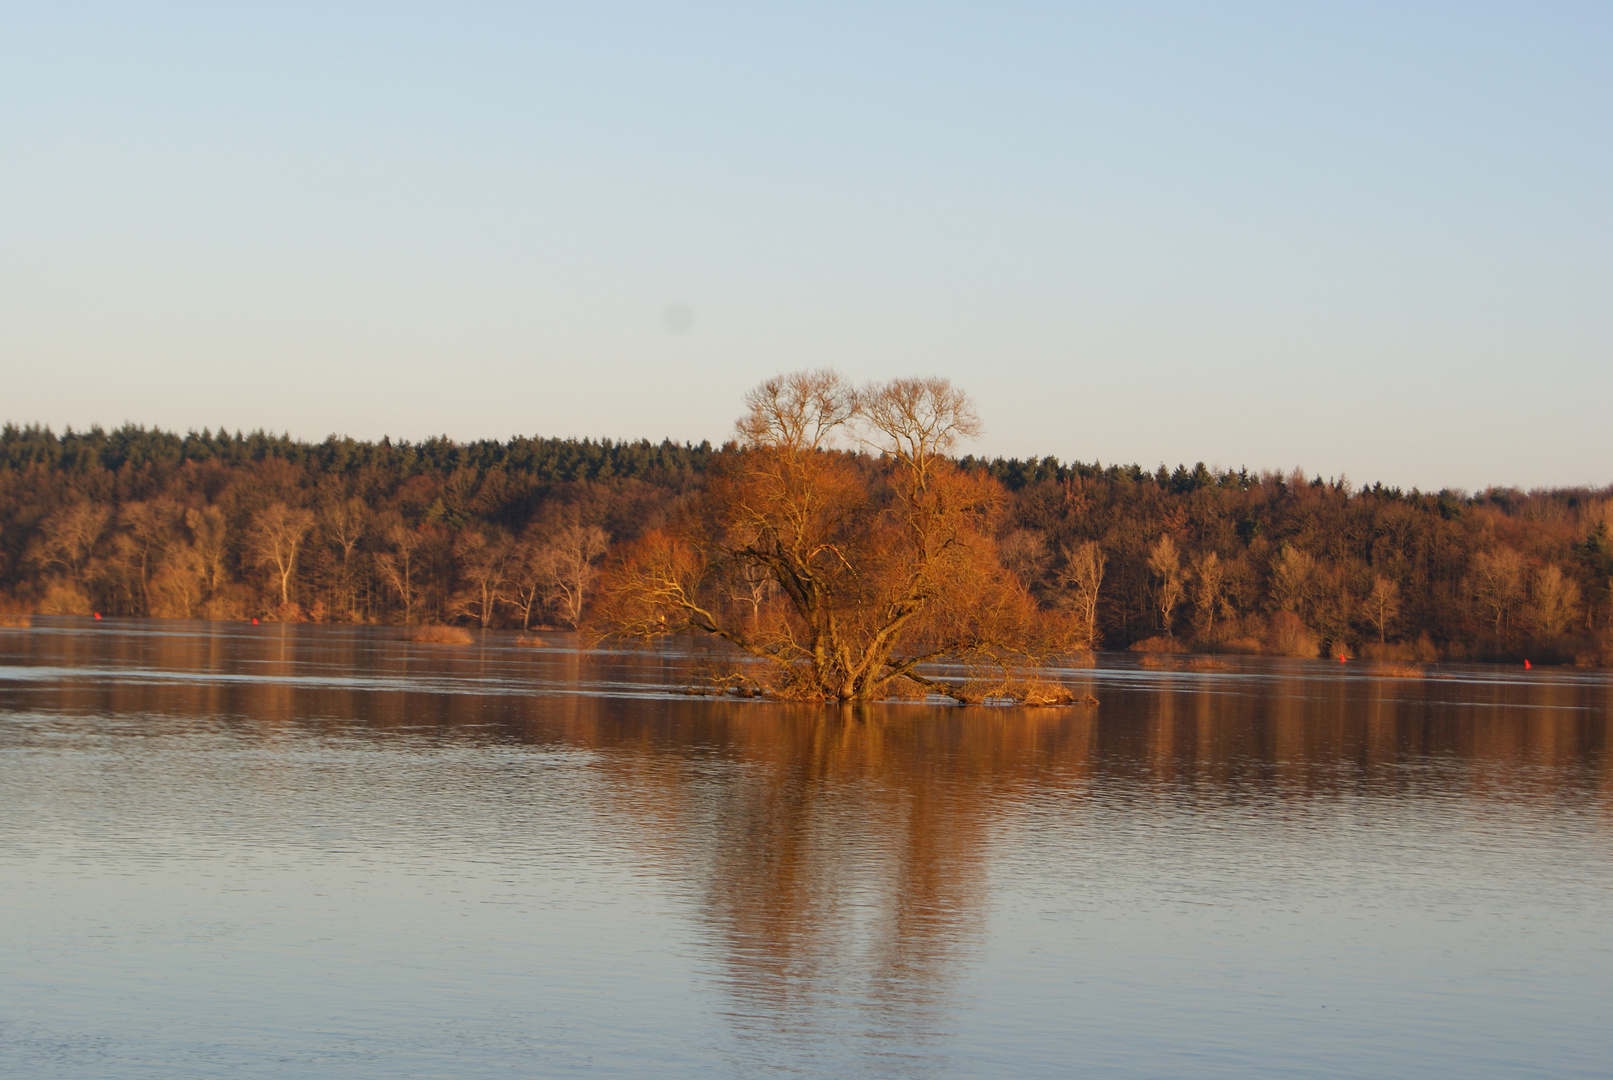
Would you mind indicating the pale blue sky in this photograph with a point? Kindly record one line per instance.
(1368, 239)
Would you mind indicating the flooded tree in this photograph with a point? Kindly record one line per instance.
(881, 549)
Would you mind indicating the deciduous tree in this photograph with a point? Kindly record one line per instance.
(881, 563)
(277, 535)
(1383, 605)
(1293, 581)
(1081, 578)
(1553, 602)
(1165, 562)
(1207, 577)
(1496, 580)
(68, 540)
(397, 564)
(484, 567)
(208, 537)
(567, 563)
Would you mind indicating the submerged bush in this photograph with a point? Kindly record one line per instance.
(442, 635)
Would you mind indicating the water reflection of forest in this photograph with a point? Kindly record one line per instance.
(827, 848)
(1293, 724)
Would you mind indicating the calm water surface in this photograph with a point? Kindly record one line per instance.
(329, 852)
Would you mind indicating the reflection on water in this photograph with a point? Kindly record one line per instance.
(484, 859)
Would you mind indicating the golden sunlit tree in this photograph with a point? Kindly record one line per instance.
(69, 538)
(343, 524)
(208, 538)
(1208, 574)
(1553, 602)
(485, 561)
(397, 564)
(67, 546)
(277, 535)
(881, 560)
(1081, 578)
(1293, 581)
(1166, 564)
(1496, 578)
(1382, 605)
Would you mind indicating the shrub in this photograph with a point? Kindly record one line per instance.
(1421, 651)
(1239, 646)
(64, 598)
(1161, 644)
(442, 635)
(1288, 635)
(1207, 663)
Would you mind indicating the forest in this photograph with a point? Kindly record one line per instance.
(213, 525)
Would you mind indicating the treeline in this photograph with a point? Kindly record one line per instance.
(1237, 562)
(221, 525)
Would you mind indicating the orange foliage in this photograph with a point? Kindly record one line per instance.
(843, 571)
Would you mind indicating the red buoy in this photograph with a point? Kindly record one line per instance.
(97, 614)
(254, 622)
(1526, 665)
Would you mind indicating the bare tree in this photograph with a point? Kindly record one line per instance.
(528, 572)
(753, 588)
(1383, 605)
(1496, 580)
(1208, 575)
(484, 563)
(916, 422)
(69, 538)
(1025, 553)
(567, 562)
(1166, 564)
(276, 538)
(343, 524)
(1293, 581)
(396, 565)
(1081, 578)
(1553, 601)
(146, 529)
(208, 536)
(802, 411)
(179, 586)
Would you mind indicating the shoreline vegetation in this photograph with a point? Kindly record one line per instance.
(529, 533)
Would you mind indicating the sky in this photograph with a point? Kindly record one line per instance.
(1369, 240)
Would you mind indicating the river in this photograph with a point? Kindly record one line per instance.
(312, 851)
